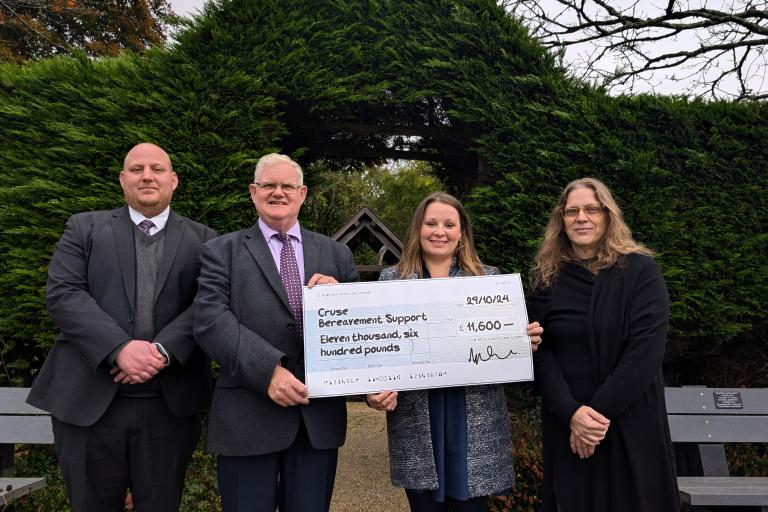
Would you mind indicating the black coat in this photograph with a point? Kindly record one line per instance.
(620, 376)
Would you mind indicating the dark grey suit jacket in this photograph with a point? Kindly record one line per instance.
(243, 321)
(91, 295)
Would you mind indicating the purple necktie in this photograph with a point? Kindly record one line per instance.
(289, 274)
(145, 226)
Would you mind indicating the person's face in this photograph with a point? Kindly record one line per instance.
(583, 229)
(147, 179)
(440, 231)
(278, 208)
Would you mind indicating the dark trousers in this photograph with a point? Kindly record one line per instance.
(139, 445)
(424, 502)
(297, 479)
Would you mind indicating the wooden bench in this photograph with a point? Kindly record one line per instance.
(701, 420)
(19, 423)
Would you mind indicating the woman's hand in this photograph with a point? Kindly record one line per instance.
(535, 331)
(384, 401)
(589, 426)
(583, 450)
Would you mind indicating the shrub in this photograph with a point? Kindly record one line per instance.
(525, 427)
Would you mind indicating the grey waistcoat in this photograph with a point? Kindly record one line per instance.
(149, 252)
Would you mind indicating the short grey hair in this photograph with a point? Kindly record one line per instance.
(276, 158)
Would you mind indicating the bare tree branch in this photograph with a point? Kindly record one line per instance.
(622, 43)
(9, 6)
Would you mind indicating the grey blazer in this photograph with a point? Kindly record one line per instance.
(244, 322)
(489, 450)
(91, 294)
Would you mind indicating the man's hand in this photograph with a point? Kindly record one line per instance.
(320, 279)
(589, 426)
(286, 390)
(121, 377)
(138, 361)
(384, 401)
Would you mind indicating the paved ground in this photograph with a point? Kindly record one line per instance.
(362, 478)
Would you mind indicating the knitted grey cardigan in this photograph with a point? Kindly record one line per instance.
(489, 451)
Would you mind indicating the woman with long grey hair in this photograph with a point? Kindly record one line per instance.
(603, 303)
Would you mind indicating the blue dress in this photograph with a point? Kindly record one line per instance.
(448, 422)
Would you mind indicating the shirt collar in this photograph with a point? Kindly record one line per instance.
(268, 232)
(159, 220)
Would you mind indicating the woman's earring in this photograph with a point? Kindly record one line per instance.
(461, 243)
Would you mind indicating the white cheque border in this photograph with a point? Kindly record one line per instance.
(357, 375)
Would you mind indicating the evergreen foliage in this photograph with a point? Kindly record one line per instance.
(690, 177)
(341, 83)
(65, 124)
(439, 77)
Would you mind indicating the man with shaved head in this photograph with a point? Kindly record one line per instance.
(125, 380)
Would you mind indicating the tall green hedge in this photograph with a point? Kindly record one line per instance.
(691, 178)
(252, 76)
(64, 124)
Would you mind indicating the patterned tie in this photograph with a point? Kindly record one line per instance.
(289, 274)
(145, 226)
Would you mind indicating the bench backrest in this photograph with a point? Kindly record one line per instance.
(20, 422)
(717, 415)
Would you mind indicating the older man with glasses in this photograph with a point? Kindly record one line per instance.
(275, 447)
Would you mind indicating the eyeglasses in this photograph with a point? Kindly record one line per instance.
(268, 186)
(591, 211)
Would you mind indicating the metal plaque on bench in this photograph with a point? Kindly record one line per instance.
(728, 400)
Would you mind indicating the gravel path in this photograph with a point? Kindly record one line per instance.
(362, 478)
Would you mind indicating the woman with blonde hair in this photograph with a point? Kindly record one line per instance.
(603, 302)
(449, 448)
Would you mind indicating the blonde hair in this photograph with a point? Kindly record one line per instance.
(556, 247)
(276, 158)
(466, 254)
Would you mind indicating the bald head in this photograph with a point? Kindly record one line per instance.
(148, 179)
(146, 148)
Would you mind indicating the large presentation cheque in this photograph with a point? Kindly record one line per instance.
(415, 334)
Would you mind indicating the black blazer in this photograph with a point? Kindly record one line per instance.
(91, 295)
(244, 322)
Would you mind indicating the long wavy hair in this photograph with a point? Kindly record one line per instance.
(556, 248)
(466, 255)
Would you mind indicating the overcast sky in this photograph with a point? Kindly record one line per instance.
(186, 7)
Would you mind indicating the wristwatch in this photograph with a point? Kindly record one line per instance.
(164, 353)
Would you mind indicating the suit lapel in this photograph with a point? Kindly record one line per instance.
(257, 246)
(174, 230)
(122, 230)
(311, 254)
